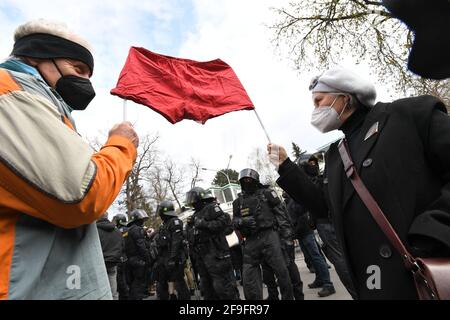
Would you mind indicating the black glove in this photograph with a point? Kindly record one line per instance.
(200, 223)
(171, 263)
(248, 222)
(288, 244)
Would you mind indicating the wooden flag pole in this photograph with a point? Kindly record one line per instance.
(260, 122)
(124, 109)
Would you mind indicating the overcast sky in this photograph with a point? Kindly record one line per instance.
(203, 30)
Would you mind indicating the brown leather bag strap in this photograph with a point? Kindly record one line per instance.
(373, 207)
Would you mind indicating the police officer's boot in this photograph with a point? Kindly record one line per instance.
(173, 296)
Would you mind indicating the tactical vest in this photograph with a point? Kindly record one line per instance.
(131, 248)
(202, 241)
(257, 206)
(163, 239)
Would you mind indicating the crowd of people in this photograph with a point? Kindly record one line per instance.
(394, 160)
(185, 259)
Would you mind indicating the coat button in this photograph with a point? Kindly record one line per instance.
(367, 163)
(385, 251)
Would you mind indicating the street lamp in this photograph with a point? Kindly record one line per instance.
(229, 161)
(222, 172)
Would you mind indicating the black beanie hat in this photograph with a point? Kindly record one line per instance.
(48, 40)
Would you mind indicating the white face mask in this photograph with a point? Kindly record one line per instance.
(326, 119)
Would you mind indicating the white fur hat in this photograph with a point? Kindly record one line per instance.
(51, 39)
(341, 80)
(55, 28)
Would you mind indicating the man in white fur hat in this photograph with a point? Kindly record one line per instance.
(53, 186)
(401, 152)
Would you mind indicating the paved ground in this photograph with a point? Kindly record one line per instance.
(307, 277)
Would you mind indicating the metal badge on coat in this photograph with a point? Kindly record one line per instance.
(373, 130)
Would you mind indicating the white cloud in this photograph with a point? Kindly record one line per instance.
(235, 32)
(232, 30)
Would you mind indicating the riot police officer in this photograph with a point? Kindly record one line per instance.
(120, 220)
(285, 229)
(207, 229)
(138, 255)
(254, 215)
(171, 255)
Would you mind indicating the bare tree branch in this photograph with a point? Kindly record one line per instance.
(316, 34)
(174, 179)
(195, 166)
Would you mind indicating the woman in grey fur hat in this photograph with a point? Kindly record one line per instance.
(401, 152)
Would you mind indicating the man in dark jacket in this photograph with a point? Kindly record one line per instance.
(305, 235)
(113, 250)
(430, 23)
(330, 245)
(401, 151)
(206, 232)
(138, 255)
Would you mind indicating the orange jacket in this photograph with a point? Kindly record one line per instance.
(51, 184)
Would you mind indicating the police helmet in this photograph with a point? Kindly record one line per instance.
(166, 208)
(304, 158)
(196, 195)
(138, 214)
(248, 173)
(120, 219)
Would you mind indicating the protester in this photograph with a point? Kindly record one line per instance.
(113, 250)
(53, 186)
(430, 23)
(400, 150)
(325, 229)
(305, 235)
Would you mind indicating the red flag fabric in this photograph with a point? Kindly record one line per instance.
(180, 88)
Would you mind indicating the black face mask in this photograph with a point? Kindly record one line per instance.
(198, 206)
(249, 187)
(312, 170)
(76, 91)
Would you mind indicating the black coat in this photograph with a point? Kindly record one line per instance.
(406, 167)
(299, 216)
(207, 230)
(135, 245)
(111, 241)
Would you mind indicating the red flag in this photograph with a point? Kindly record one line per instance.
(179, 88)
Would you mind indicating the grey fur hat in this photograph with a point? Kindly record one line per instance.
(341, 80)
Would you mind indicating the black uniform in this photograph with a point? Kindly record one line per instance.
(286, 232)
(171, 259)
(138, 260)
(254, 218)
(122, 274)
(207, 242)
(402, 153)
